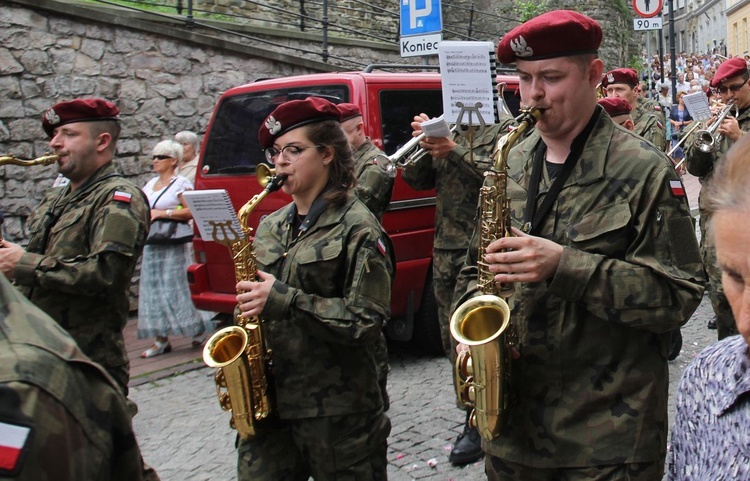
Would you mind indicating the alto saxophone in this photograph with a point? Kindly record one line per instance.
(483, 322)
(239, 353)
(46, 159)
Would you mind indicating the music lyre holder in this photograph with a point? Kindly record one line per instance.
(469, 130)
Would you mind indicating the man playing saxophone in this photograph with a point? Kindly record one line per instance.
(731, 83)
(607, 267)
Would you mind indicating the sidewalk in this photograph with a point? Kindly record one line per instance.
(185, 357)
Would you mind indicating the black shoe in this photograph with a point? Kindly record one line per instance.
(468, 447)
(676, 346)
(712, 323)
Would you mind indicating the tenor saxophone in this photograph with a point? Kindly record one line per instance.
(243, 361)
(482, 374)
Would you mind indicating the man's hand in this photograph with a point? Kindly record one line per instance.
(252, 301)
(523, 258)
(10, 255)
(730, 129)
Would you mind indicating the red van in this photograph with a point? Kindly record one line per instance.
(389, 101)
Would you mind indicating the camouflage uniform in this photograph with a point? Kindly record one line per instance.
(649, 121)
(457, 181)
(591, 382)
(79, 420)
(702, 165)
(374, 186)
(80, 274)
(322, 320)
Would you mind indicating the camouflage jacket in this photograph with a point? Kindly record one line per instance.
(649, 122)
(68, 414)
(81, 274)
(591, 382)
(701, 164)
(457, 180)
(374, 185)
(324, 314)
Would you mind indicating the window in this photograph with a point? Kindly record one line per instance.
(233, 145)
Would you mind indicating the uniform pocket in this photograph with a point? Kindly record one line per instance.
(604, 231)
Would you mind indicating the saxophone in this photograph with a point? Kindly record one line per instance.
(483, 372)
(239, 352)
(45, 159)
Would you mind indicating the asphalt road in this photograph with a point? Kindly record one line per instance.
(186, 437)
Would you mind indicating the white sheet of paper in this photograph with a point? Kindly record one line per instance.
(214, 215)
(697, 105)
(436, 127)
(467, 77)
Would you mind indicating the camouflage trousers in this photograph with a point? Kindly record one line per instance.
(381, 361)
(332, 448)
(446, 265)
(725, 323)
(497, 469)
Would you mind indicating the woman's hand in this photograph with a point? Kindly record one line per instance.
(253, 295)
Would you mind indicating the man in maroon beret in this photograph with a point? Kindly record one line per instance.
(646, 113)
(619, 109)
(374, 188)
(731, 84)
(85, 237)
(598, 284)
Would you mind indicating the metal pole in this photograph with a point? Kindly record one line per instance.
(661, 52)
(190, 21)
(179, 7)
(471, 20)
(325, 31)
(673, 60)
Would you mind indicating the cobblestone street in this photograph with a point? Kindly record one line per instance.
(185, 436)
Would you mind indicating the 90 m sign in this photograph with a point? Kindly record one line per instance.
(647, 23)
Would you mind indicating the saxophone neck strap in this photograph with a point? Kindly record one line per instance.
(533, 218)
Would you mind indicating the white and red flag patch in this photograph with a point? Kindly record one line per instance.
(13, 439)
(122, 196)
(678, 190)
(381, 246)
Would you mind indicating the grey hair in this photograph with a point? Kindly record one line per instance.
(188, 137)
(170, 148)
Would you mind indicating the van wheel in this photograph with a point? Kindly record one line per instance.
(426, 324)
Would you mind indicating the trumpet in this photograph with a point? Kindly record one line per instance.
(408, 154)
(45, 159)
(707, 140)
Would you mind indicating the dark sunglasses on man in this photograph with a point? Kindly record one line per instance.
(734, 88)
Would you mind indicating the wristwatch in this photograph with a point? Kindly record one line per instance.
(169, 213)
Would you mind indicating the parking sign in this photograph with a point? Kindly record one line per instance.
(419, 17)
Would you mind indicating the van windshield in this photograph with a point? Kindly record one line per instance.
(233, 144)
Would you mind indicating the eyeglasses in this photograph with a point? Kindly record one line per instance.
(290, 152)
(733, 88)
(162, 157)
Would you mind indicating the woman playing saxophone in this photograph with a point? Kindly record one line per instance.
(323, 292)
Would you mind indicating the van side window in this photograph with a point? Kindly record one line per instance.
(398, 108)
(232, 147)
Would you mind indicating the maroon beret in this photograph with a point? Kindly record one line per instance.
(559, 33)
(293, 114)
(349, 111)
(729, 68)
(79, 110)
(615, 106)
(627, 76)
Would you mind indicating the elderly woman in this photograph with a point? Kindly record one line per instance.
(191, 148)
(164, 305)
(323, 290)
(711, 432)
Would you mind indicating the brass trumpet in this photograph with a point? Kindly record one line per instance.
(45, 159)
(707, 140)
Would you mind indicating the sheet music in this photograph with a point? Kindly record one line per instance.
(467, 78)
(436, 127)
(697, 105)
(214, 215)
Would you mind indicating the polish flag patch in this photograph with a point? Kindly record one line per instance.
(381, 246)
(13, 440)
(122, 196)
(678, 190)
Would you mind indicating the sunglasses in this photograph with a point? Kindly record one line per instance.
(162, 157)
(733, 88)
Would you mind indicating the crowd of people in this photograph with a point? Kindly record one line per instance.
(600, 248)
